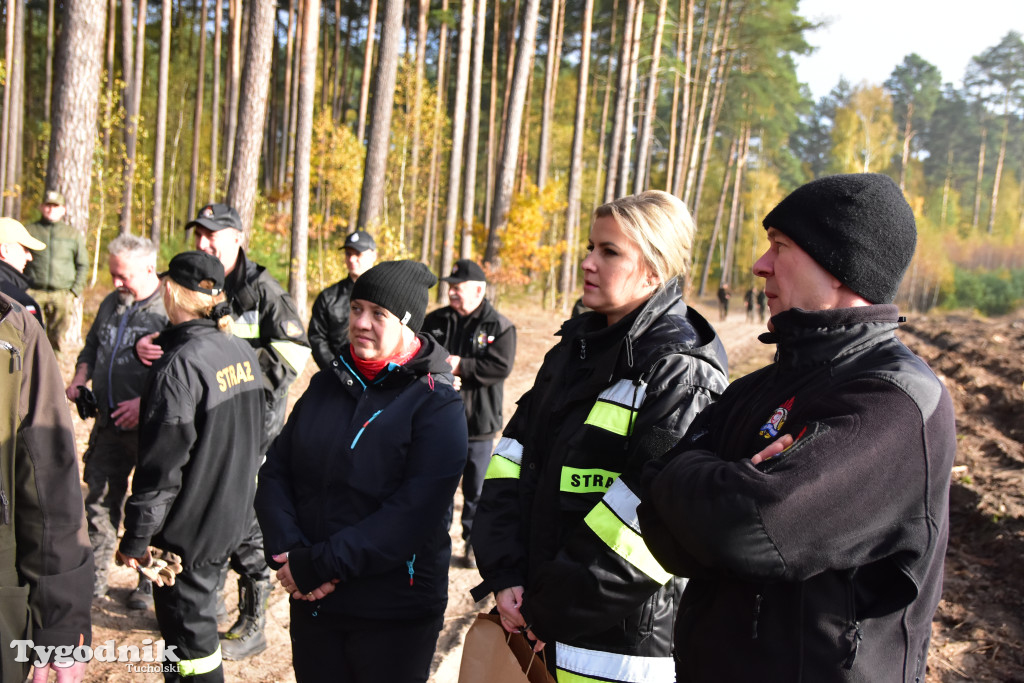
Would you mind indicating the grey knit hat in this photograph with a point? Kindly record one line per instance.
(857, 226)
(400, 287)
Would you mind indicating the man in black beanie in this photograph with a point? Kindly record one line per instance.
(809, 505)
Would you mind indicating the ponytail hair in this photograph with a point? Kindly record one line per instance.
(199, 305)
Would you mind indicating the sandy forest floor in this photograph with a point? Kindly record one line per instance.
(978, 632)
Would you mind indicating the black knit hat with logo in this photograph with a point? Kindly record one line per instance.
(400, 287)
(857, 226)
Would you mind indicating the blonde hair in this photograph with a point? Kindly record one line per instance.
(195, 304)
(660, 225)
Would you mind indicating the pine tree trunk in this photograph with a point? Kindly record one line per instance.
(234, 73)
(430, 223)
(12, 193)
(49, 59)
(371, 204)
(506, 173)
(977, 183)
(472, 148)
(713, 242)
(999, 165)
(694, 151)
(907, 136)
(603, 127)
(161, 121)
(417, 108)
(492, 110)
(77, 67)
(364, 88)
(644, 142)
(575, 185)
(131, 130)
(215, 131)
(625, 156)
(621, 98)
(286, 105)
(197, 119)
(946, 186)
(458, 142)
(735, 216)
(510, 49)
(721, 81)
(252, 111)
(303, 144)
(547, 103)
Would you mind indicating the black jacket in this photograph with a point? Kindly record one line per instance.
(117, 373)
(14, 284)
(200, 444)
(358, 485)
(266, 317)
(557, 514)
(825, 562)
(486, 342)
(328, 324)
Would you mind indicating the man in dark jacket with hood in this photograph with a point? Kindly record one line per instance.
(809, 505)
(482, 344)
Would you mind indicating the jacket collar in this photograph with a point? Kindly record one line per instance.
(9, 272)
(810, 338)
(175, 335)
(431, 359)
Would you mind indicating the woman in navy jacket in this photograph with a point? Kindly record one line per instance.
(354, 496)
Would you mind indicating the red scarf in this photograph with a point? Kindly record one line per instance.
(371, 368)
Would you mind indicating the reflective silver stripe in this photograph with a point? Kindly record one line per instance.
(623, 503)
(510, 449)
(624, 393)
(581, 664)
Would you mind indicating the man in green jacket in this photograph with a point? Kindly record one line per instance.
(57, 274)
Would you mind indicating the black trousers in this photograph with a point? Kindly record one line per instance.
(345, 650)
(248, 558)
(187, 615)
(109, 461)
(473, 482)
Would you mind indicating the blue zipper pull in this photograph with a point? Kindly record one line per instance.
(408, 563)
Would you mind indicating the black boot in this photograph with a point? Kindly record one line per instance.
(142, 597)
(245, 637)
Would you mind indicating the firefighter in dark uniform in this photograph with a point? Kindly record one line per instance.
(265, 316)
(483, 346)
(200, 447)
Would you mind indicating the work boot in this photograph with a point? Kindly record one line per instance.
(245, 637)
(142, 597)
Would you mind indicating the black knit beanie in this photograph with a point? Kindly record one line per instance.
(857, 226)
(400, 287)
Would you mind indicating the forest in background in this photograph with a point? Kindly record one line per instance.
(491, 129)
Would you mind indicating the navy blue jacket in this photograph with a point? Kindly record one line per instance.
(358, 485)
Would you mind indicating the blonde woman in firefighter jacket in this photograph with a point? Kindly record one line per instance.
(557, 539)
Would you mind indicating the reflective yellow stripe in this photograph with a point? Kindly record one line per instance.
(245, 330)
(610, 417)
(576, 480)
(579, 665)
(626, 543)
(294, 354)
(203, 665)
(501, 467)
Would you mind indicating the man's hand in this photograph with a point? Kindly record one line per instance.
(78, 381)
(455, 361)
(126, 415)
(773, 449)
(284, 575)
(147, 350)
(73, 673)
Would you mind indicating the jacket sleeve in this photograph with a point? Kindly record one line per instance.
(81, 262)
(284, 347)
(92, 339)
(275, 502)
(497, 528)
(605, 571)
(319, 335)
(167, 433)
(851, 491)
(495, 364)
(437, 456)
(53, 552)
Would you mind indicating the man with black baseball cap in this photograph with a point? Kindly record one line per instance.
(265, 316)
(809, 505)
(483, 347)
(328, 325)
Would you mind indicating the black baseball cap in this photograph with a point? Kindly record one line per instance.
(190, 268)
(360, 241)
(465, 271)
(216, 217)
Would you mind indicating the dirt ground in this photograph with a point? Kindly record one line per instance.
(979, 628)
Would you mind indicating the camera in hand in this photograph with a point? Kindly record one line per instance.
(86, 402)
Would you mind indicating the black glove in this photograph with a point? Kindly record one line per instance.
(86, 402)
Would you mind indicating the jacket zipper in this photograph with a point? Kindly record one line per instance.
(758, 599)
(363, 428)
(15, 356)
(15, 367)
(853, 634)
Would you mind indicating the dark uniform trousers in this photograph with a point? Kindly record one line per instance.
(187, 614)
(109, 460)
(341, 649)
(473, 482)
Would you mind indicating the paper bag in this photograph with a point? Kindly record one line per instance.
(492, 655)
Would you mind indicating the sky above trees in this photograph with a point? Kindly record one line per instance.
(865, 40)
